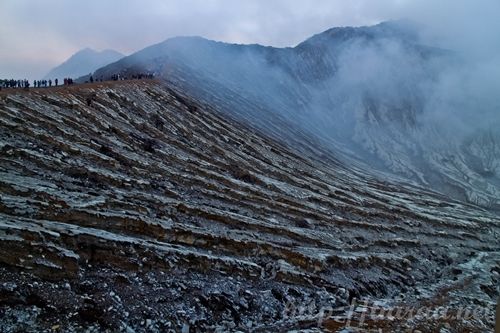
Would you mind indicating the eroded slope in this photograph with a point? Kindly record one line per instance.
(129, 205)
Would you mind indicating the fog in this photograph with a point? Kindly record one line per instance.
(465, 94)
(451, 88)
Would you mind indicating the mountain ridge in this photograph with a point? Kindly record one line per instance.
(368, 92)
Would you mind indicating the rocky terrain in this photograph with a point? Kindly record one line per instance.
(132, 207)
(375, 95)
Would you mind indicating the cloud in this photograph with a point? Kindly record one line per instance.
(470, 27)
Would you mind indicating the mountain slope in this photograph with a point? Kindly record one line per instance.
(375, 95)
(147, 210)
(82, 63)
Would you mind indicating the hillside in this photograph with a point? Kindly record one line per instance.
(375, 95)
(133, 206)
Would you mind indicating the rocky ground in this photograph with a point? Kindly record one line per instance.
(390, 118)
(130, 207)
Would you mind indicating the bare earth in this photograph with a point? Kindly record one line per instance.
(127, 206)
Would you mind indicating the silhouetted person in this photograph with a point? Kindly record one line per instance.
(91, 79)
(56, 82)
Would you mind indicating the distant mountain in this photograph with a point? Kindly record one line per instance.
(83, 62)
(377, 96)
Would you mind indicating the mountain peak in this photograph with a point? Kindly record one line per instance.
(85, 61)
(86, 50)
(399, 29)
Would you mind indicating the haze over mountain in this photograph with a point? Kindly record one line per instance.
(377, 96)
(83, 62)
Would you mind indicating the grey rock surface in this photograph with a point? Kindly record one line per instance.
(149, 211)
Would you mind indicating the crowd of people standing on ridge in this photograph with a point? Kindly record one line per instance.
(48, 83)
(14, 83)
(11, 83)
(44, 83)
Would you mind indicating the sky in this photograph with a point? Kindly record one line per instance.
(37, 35)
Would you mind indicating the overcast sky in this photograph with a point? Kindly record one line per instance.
(37, 35)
